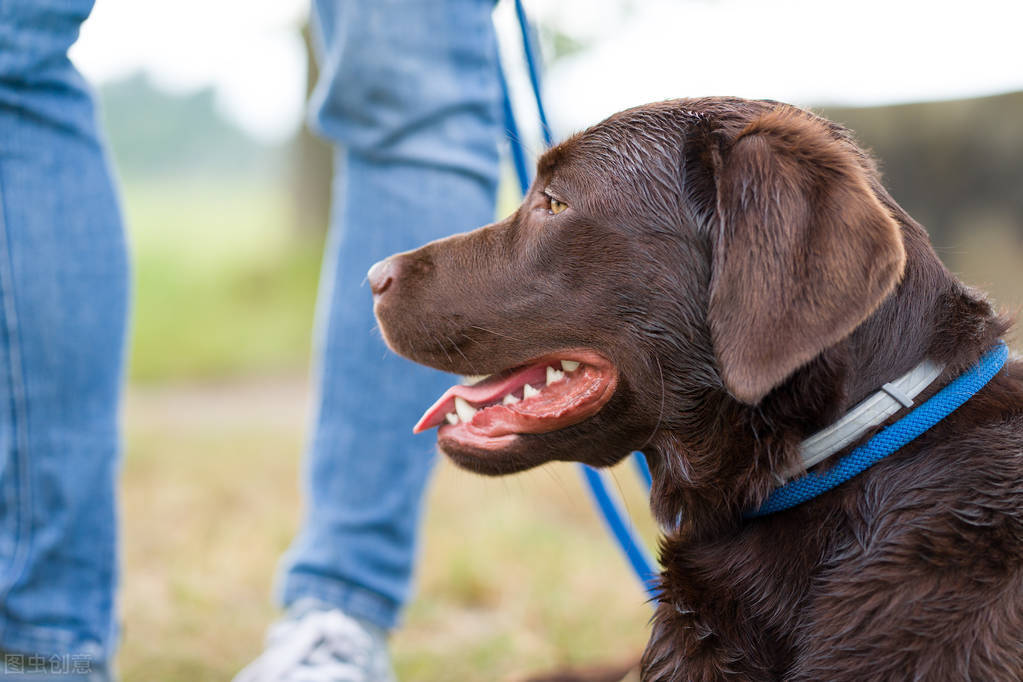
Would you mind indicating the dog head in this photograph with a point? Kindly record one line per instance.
(672, 257)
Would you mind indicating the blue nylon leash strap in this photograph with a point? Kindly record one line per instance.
(891, 438)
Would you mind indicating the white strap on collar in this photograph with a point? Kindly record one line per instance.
(874, 410)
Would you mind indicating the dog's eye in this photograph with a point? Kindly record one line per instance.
(555, 206)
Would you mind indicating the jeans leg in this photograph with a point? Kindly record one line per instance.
(63, 291)
(409, 94)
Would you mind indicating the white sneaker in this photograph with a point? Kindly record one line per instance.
(317, 643)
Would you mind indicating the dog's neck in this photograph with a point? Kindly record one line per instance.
(702, 484)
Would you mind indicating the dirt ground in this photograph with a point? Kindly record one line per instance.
(516, 574)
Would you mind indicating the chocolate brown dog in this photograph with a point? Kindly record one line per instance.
(712, 281)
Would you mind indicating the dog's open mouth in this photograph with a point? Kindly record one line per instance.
(544, 395)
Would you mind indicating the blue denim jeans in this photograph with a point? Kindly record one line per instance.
(63, 301)
(408, 92)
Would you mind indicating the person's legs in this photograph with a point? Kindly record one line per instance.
(408, 91)
(63, 291)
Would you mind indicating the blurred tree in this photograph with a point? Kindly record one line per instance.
(311, 163)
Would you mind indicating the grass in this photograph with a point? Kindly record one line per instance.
(223, 287)
(516, 574)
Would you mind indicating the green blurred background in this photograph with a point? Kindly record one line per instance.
(517, 575)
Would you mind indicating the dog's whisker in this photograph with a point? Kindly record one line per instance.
(491, 331)
(621, 495)
(433, 340)
(553, 473)
(660, 411)
(472, 366)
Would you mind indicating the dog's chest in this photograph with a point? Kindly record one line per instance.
(736, 605)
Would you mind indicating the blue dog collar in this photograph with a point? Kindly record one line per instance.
(890, 439)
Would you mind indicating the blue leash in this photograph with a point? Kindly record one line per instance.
(622, 530)
(890, 439)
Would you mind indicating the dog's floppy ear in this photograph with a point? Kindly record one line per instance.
(803, 251)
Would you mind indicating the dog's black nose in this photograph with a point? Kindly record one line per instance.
(381, 275)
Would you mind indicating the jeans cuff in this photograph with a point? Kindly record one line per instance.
(354, 600)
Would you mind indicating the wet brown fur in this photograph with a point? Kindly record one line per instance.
(744, 269)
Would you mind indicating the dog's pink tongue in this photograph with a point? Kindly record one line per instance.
(557, 406)
(482, 393)
(569, 400)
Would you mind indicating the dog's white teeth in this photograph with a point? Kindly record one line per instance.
(473, 379)
(452, 418)
(569, 365)
(528, 391)
(554, 375)
(465, 411)
(509, 400)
